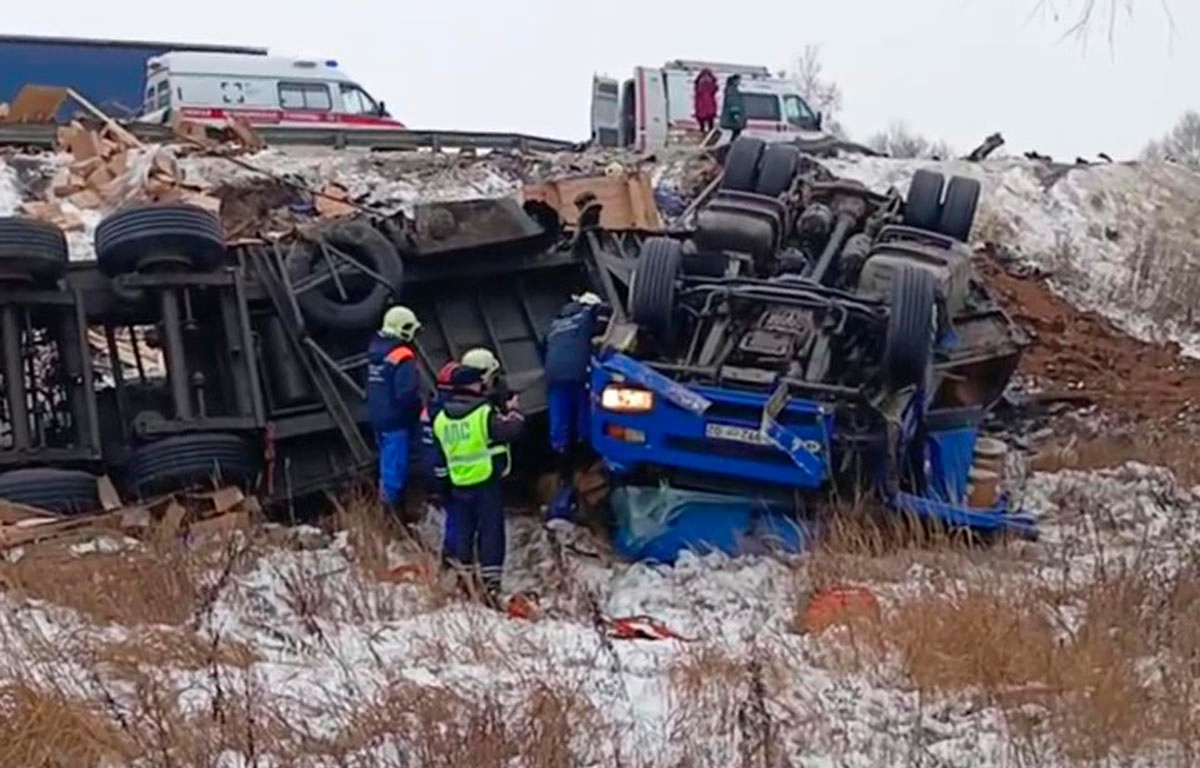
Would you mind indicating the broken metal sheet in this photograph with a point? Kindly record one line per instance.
(470, 224)
(627, 201)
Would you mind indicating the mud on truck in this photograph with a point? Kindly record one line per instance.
(805, 334)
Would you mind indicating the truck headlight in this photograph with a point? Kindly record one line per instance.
(626, 399)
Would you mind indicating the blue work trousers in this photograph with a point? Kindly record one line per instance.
(475, 521)
(393, 465)
(569, 417)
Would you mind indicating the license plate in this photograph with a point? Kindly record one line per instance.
(735, 434)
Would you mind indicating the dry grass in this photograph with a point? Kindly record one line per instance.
(1171, 447)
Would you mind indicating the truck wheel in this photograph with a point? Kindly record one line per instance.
(652, 295)
(777, 170)
(741, 164)
(958, 212)
(366, 298)
(923, 207)
(31, 249)
(911, 322)
(145, 235)
(192, 460)
(65, 491)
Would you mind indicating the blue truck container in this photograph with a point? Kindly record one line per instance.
(108, 73)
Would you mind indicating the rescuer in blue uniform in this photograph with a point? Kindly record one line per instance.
(568, 356)
(394, 401)
(474, 437)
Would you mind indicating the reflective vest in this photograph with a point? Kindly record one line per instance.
(465, 444)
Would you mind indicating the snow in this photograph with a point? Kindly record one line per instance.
(331, 639)
(1117, 239)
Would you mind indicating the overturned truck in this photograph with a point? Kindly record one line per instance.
(174, 357)
(806, 334)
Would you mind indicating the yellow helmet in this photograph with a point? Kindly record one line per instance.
(483, 360)
(400, 323)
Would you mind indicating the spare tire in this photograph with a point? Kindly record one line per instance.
(777, 169)
(65, 491)
(32, 249)
(923, 206)
(958, 212)
(741, 164)
(191, 460)
(652, 295)
(323, 307)
(911, 327)
(133, 238)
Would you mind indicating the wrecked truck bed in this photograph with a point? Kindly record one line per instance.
(174, 357)
(807, 334)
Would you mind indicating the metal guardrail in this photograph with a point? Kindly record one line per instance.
(44, 136)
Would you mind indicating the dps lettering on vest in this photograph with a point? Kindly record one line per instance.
(466, 445)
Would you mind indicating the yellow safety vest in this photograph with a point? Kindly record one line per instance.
(465, 444)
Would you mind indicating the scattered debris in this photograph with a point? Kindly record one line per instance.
(333, 202)
(627, 199)
(989, 145)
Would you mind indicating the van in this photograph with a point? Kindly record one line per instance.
(655, 107)
(208, 88)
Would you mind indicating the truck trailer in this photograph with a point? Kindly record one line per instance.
(108, 73)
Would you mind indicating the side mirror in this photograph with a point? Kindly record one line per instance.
(820, 119)
(383, 110)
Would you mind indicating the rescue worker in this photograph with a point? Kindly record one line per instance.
(474, 437)
(568, 355)
(705, 100)
(733, 107)
(394, 401)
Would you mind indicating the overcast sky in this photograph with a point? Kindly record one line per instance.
(953, 69)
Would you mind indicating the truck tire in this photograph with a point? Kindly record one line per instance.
(133, 238)
(323, 307)
(741, 164)
(652, 295)
(777, 169)
(65, 491)
(910, 333)
(32, 249)
(958, 212)
(191, 460)
(923, 207)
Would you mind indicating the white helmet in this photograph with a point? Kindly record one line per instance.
(483, 360)
(400, 323)
(587, 299)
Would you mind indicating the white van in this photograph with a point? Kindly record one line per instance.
(207, 88)
(656, 106)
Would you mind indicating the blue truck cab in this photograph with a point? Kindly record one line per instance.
(808, 338)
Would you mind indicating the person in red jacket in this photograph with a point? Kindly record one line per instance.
(706, 100)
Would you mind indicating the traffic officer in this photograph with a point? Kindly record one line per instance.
(474, 437)
(568, 355)
(394, 401)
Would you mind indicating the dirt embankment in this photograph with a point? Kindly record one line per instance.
(1083, 356)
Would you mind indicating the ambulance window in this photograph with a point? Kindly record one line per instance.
(355, 101)
(313, 96)
(761, 106)
(797, 112)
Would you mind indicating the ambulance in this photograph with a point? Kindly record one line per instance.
(655, 107)
(208, 88)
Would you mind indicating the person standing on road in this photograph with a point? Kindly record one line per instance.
(394, 402)
(706, 100)
(733, 107)
(474, 437)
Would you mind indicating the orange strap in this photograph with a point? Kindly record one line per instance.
(399, 355)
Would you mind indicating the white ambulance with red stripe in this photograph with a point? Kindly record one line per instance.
(655, 107)
(208, 88)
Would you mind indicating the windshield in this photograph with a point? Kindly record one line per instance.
(355, 101)
(797, 112)
(761, 106)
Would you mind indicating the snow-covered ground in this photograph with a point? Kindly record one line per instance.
(329, 645)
